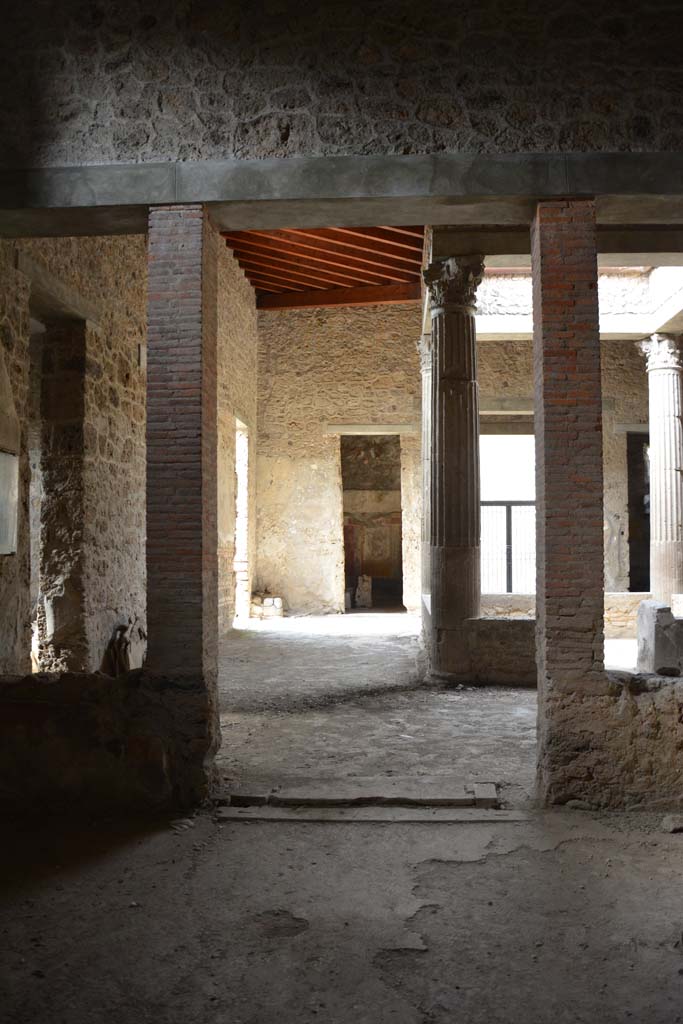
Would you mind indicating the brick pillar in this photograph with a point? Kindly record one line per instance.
(62, 644)
(455, 510)
(665, 384)
(569, 487)
(182, 546)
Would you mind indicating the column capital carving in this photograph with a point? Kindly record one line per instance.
(662, 352)
(454, 281)
(424, 348)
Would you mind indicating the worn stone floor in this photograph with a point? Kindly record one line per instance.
(563, 916)
(566, 917)
(341, 696)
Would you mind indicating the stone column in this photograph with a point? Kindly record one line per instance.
(424, 347)
(455, 517)
(665, 381)
(182, 543)
(569, 486)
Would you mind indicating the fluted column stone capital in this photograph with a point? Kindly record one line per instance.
(662, 352)
(453, 282)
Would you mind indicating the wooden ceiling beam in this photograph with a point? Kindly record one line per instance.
(415, 232)
(334, 256)
(358, 242)
(301, 266)
(388, 235)
(266, 280)
(388, 293)
(321, 244)
(335, 267)
(295, 277)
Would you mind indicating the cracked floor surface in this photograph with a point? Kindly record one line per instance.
(340, 696)
(567, 917)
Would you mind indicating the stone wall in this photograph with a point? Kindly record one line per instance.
(108, 277)
(192, 80)
(320, 366)
(237, 365)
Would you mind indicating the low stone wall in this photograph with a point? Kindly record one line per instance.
(617, 744)
(621, 610)
(503, 651)
(508, 606)
(90, 741)
(621, 614)
(493, 652)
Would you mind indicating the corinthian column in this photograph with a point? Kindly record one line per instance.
(424, 347)
(665, 380)
(455, 514)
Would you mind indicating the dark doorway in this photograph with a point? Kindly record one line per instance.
(637, 447)
(371, 481)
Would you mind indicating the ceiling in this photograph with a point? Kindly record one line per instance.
(330, 266)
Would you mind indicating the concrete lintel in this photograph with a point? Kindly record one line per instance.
(631, 428)
(50, 298)
(444, 188)
(370, 428)
(506, 406)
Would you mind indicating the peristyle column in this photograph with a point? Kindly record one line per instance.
(665, 381)
(424, 347)
(455, 518)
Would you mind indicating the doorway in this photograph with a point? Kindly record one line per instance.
(371, 486)
(241, 556)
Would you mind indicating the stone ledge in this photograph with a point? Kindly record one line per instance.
(80, 740)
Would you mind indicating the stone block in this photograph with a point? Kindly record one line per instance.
(660, 640)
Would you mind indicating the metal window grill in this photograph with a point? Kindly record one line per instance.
(508, 547)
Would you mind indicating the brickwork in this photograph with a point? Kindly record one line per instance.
(181, 446)
(569, 487)
(158, 81)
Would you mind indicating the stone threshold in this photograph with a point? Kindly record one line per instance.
(397, 791)
(373, 815)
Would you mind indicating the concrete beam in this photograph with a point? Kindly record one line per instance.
(370, 428)
(445, 188)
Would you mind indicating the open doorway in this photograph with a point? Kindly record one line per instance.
(371, 484)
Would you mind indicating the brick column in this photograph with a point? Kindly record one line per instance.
(455, 511)
(568, 427)
(182, 547)
(665, 384)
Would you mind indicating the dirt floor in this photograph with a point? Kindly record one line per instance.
(569, 916)
(565, 916)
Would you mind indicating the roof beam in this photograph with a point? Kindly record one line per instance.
(279, 252)
(388, 293)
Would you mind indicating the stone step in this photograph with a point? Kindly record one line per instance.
(369, 814)
(406, 791)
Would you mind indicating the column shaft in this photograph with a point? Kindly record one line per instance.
(425, 350)
(182, 569)
(665, 381)
(454, 478)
